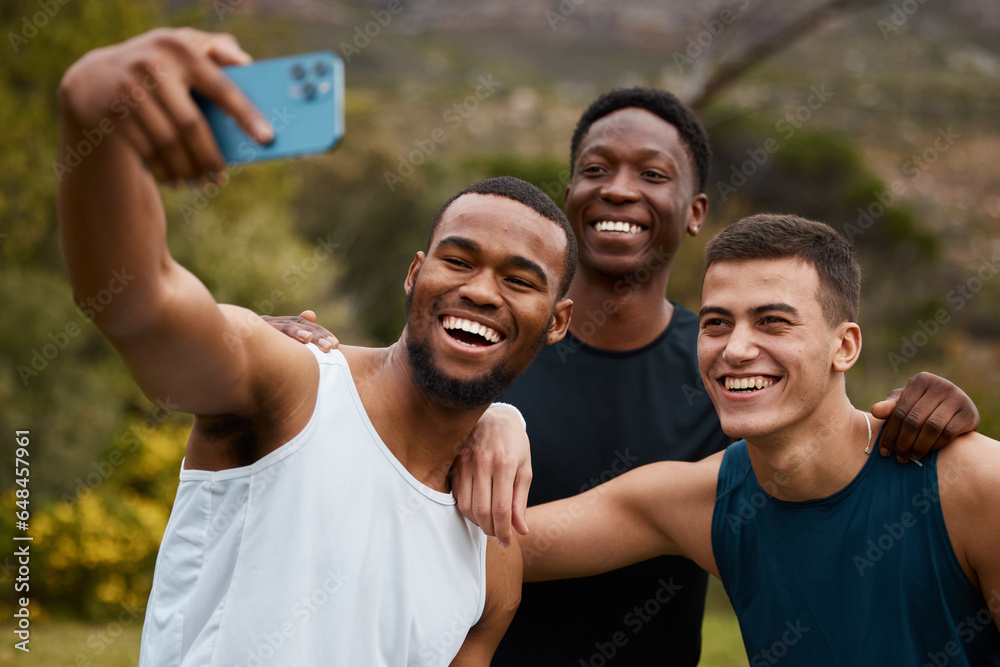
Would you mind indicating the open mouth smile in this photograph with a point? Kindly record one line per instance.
(746, 385)
(618, 226)
(470, 333)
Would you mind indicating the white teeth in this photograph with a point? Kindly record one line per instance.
(753, 383)
(617, 226)
(451, 322)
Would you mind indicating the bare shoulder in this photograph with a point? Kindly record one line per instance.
(285, 372)
(283, 379)
(969, 485)
(970, 466)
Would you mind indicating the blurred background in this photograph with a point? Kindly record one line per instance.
(879, 118)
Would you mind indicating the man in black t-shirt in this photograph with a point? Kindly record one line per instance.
(593, 414)
(622, 389)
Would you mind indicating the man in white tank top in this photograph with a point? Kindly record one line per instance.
(314, 522)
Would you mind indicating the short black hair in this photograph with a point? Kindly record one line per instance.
(527, 194)
(663, 104)
(777, 236)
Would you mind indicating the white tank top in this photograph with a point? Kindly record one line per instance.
(324, 552)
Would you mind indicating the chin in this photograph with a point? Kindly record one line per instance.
(746, 427)
(616, 267)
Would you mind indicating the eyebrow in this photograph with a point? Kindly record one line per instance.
(519, 261)
(753, 311)
(603, 148)
(460, 242)
(780, 307)
(714, 310)
(526, 264)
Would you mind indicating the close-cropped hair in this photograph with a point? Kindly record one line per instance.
(532, 197)
(779, 236)
(663, 104)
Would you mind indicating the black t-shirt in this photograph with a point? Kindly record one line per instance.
(593, 414)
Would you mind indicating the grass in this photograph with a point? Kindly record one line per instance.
(77, 644)
(721, 644)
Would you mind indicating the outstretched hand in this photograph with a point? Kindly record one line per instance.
(928, 413)
(304, 329)
(492, 473)
(141, 90)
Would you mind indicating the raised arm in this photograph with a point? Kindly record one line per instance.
(660, 508)
(127, 110)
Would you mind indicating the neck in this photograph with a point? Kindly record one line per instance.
(815, 458)
(619, 312)
(422, 434)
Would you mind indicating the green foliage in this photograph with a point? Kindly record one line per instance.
(96, 534)
(549, 174)
(93, 550)
(816, 173)
(28, 81)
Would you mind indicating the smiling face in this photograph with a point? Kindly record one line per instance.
(632, 193)
(483, 300)
(768, 356)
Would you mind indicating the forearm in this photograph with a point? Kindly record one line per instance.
(594, 532)
(161, 318)
(112, 229)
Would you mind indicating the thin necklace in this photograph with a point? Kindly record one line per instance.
(868, 446)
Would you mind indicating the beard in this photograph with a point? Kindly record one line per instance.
(452, 393)
(459, 394)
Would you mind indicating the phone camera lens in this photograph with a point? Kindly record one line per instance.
(309, 91)
(320, 68)
(298, 71)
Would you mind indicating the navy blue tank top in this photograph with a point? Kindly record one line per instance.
(866, 576)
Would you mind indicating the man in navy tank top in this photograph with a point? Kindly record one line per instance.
(829, 554)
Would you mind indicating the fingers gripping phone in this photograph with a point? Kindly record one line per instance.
(301, 96)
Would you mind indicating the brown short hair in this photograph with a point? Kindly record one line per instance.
(777, 236)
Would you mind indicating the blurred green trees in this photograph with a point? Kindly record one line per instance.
(327, 233)
(104, 460)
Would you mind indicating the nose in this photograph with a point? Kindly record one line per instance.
(740, 346)
(620, 187)
(481, 289)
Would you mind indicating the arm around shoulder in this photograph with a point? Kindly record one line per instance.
(660, 508)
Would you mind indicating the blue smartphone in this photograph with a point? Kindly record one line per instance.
(301, 96)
